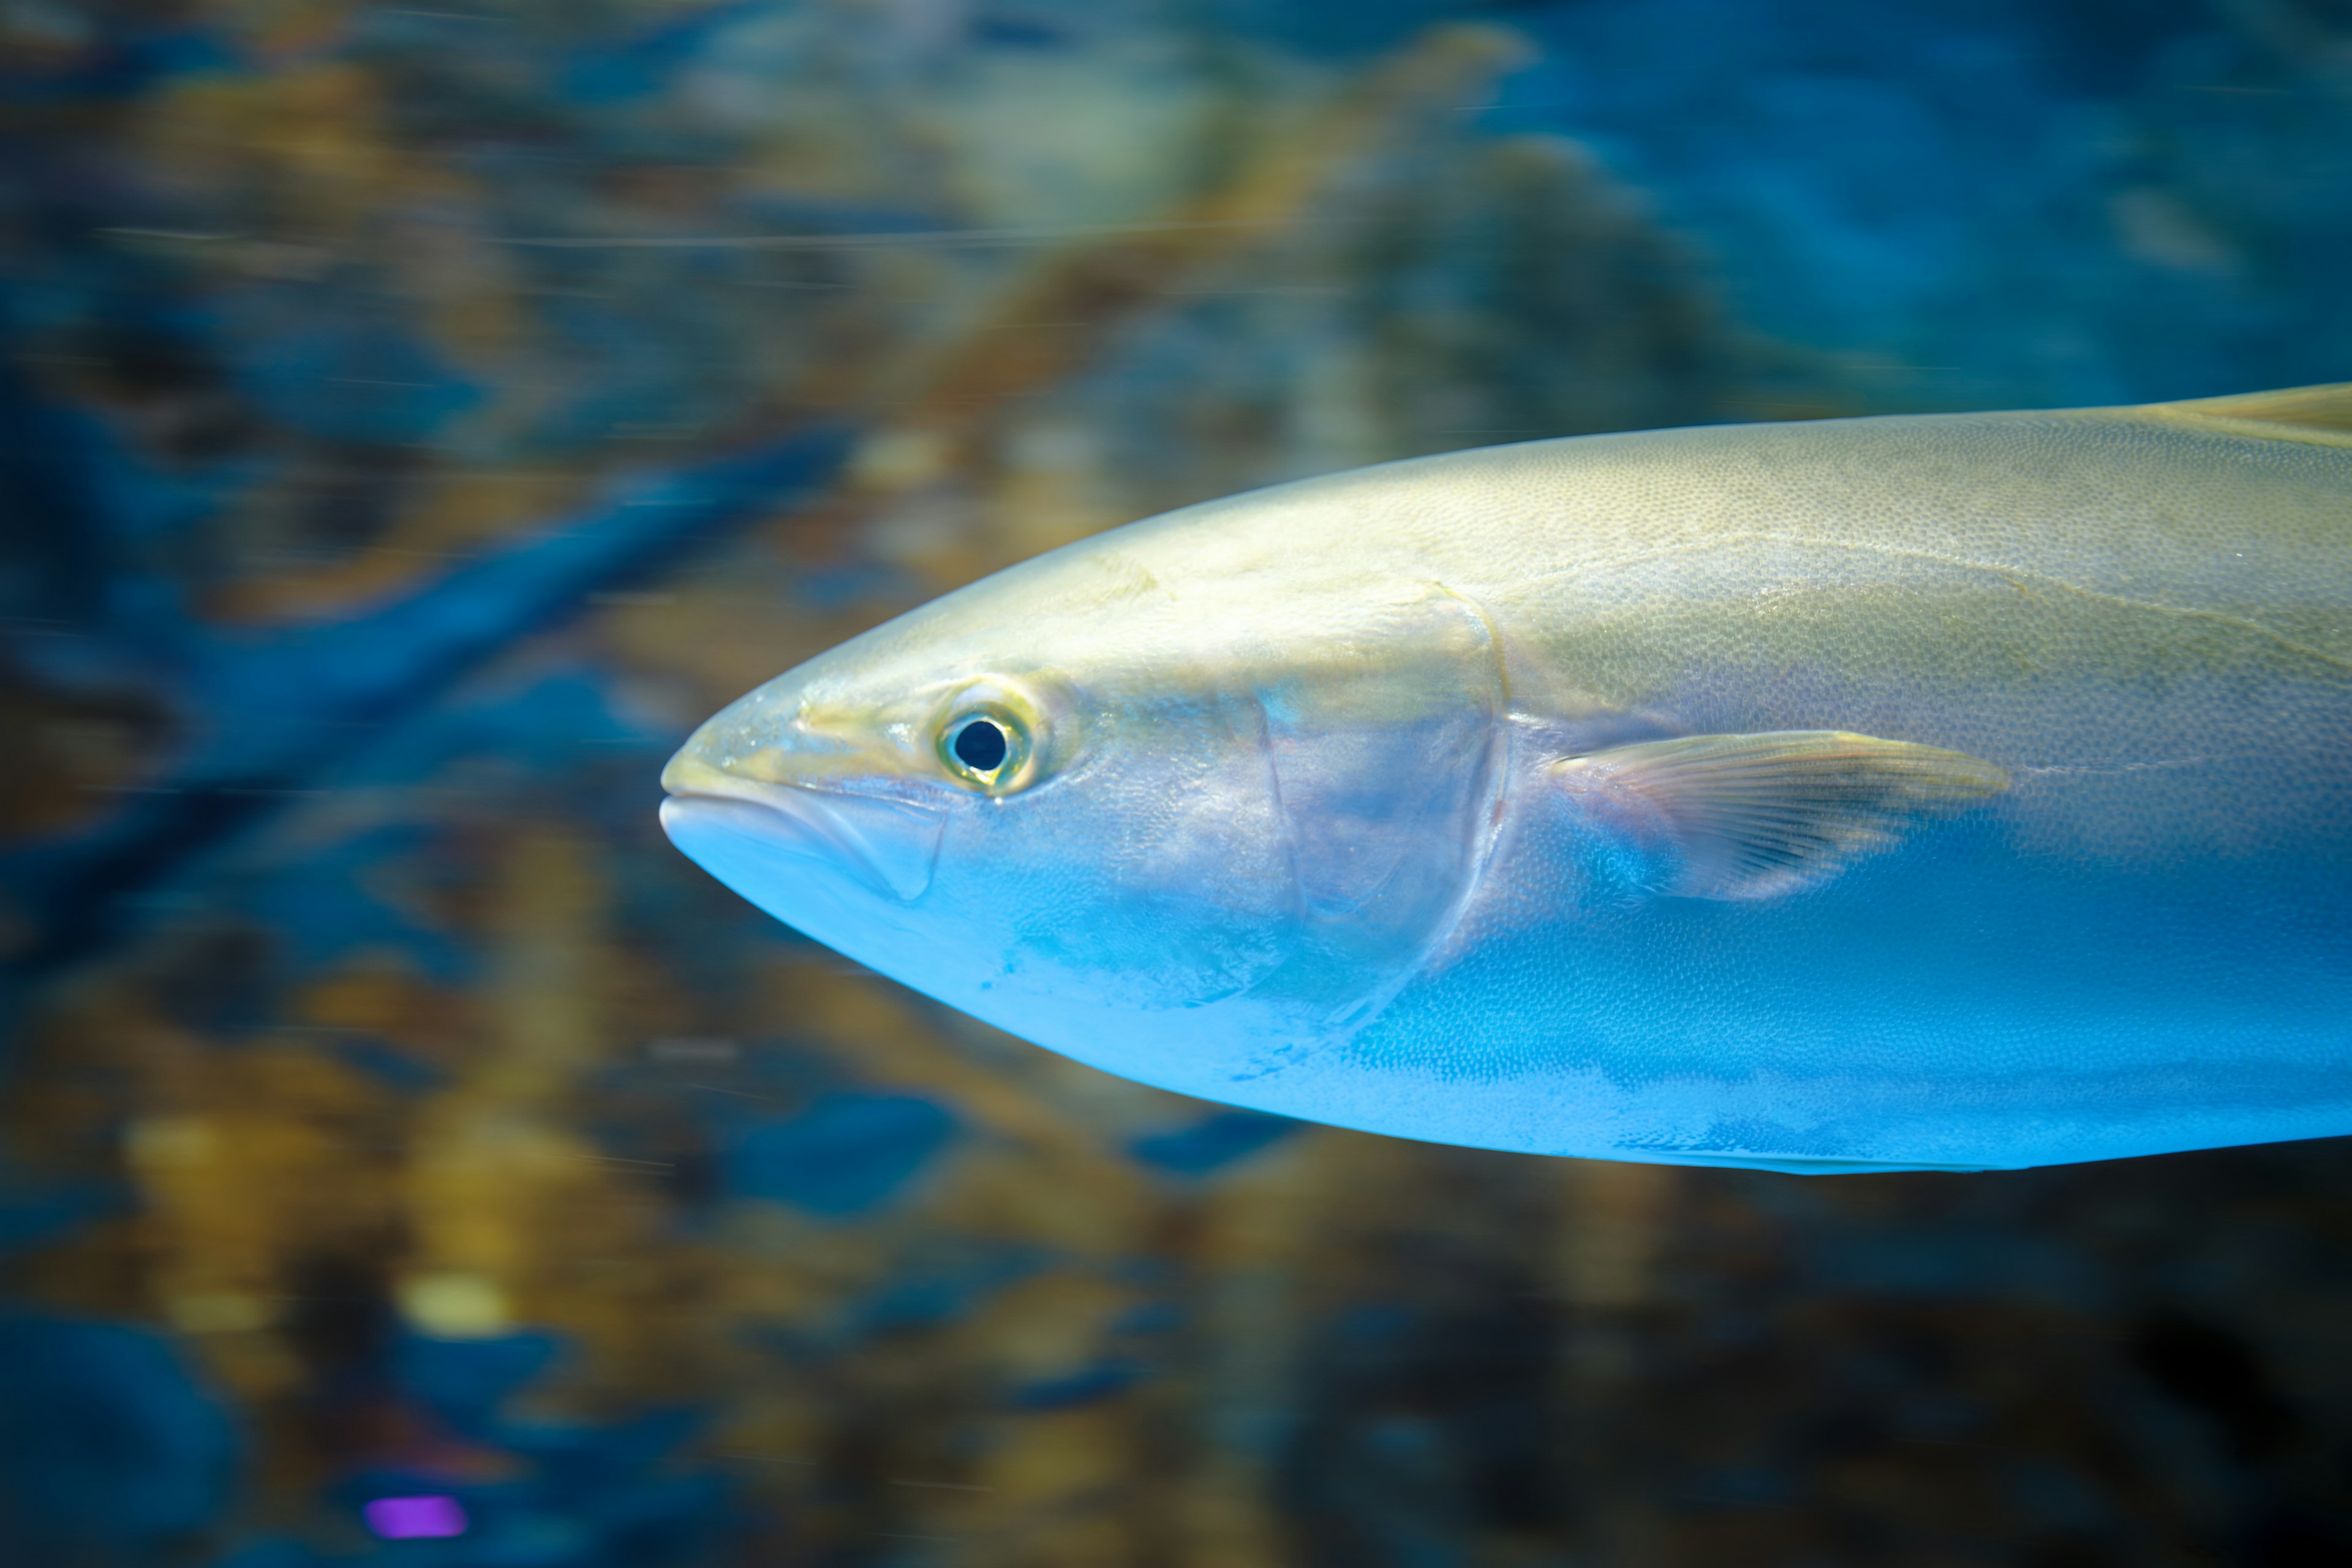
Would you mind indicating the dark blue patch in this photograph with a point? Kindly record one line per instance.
(388, 1064)
(464, 1382)
(1088, 1385)
(131, 59)
(365, 382)
(844, 1155)
(644, 63)
(271, 1552)
(1373, 1323)
(1741, 1486)
(587, 1496)
(1148, 1318)
(846, 586)
(108, 1444)
(1004, 30)
(276, 711)
(941, 1290)
(586, 1461)
(1212, 1143)
(1956, 1264)
(33, 1216)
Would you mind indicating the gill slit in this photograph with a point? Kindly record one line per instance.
(1485, 825)
(1281, 811)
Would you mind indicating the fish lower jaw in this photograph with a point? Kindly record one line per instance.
(888, 847)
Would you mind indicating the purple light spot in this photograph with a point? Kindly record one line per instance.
(416, 1518)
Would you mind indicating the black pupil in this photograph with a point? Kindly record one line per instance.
(980, 746)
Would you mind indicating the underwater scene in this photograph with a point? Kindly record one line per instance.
(417, 422)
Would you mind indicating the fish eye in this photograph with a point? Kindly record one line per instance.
(981, 746)
(986, 746)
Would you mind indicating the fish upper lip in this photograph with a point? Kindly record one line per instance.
(893, 843)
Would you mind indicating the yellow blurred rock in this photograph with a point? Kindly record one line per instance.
(1612, 1215)
(455, 1306)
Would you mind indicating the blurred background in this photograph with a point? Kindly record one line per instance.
(414, 418)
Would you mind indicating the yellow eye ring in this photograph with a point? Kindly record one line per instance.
(985, 745)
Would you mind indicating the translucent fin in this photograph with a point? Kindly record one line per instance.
(1752, 816)
(2321, 414)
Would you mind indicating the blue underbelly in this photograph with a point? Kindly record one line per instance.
(1955, 1003)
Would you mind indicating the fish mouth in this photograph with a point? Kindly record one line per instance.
(889, 845)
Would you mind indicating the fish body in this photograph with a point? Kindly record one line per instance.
(1945, 792)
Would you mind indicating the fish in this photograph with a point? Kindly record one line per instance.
(1951, 792)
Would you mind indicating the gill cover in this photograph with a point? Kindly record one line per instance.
(1387, 763)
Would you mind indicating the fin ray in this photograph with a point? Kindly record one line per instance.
(1753, 816)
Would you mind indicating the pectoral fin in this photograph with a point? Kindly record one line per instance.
(1748, 816)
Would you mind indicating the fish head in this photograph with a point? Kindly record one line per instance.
(1183, 818)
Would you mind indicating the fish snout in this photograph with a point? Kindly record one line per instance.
(728, 823)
